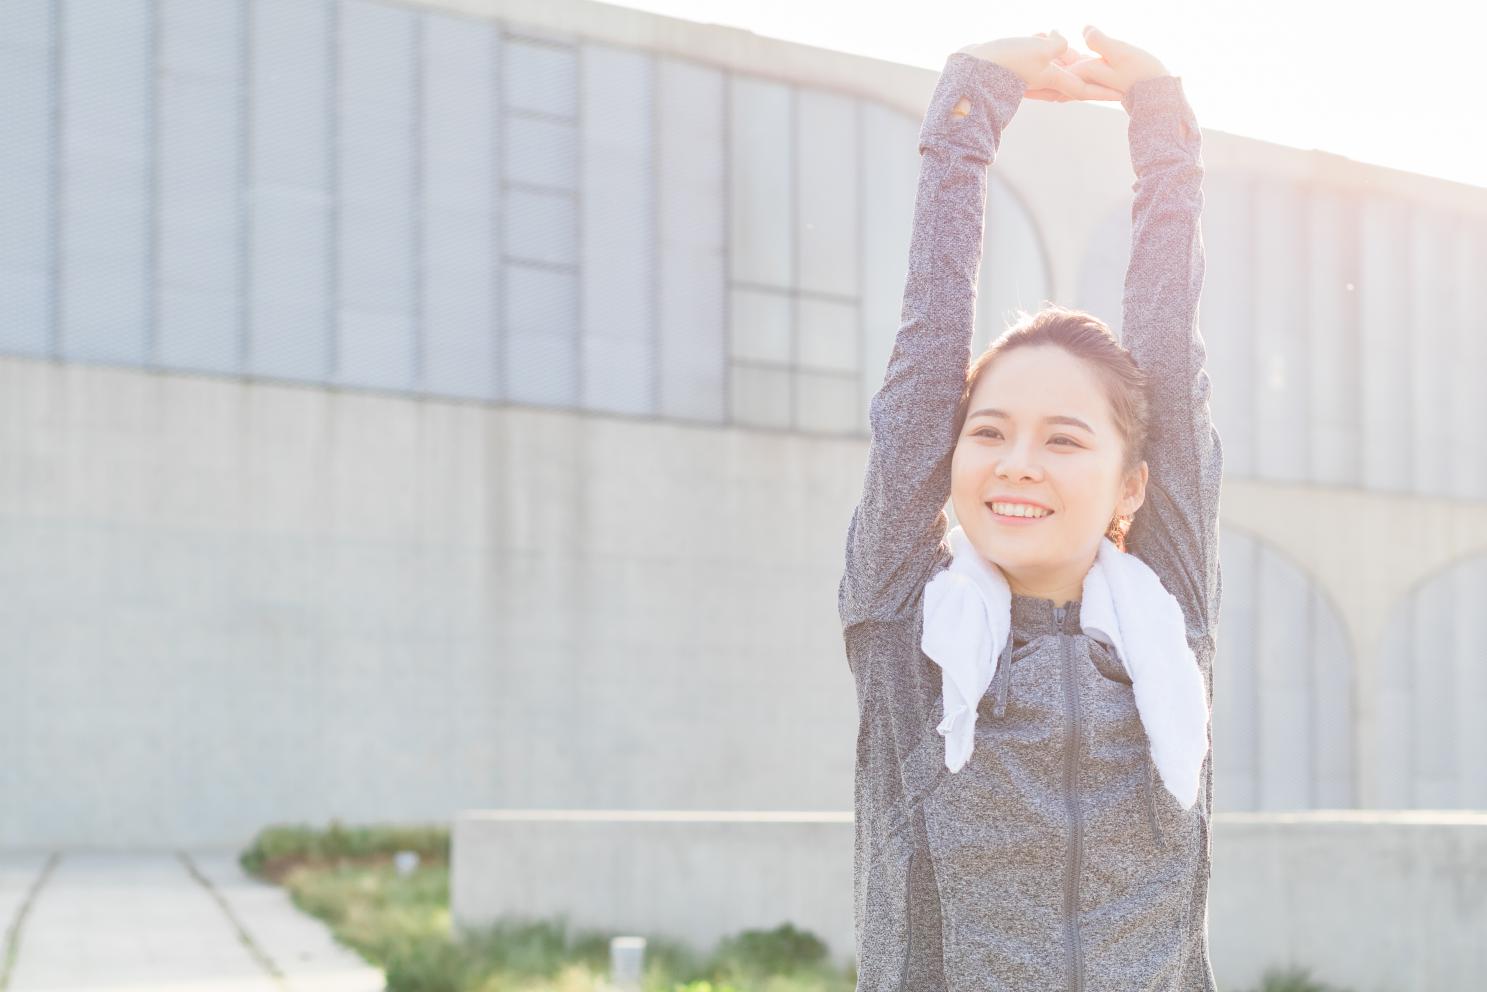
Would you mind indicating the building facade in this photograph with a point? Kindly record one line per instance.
(406, 407)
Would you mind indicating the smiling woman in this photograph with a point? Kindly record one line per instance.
(1024, 819)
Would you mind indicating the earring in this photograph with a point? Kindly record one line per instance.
(1119, 527)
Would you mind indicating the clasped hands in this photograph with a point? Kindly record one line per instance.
(1051, 70)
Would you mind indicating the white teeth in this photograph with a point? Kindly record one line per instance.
(1019, 510)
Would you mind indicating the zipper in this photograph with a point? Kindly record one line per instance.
(1071, 724)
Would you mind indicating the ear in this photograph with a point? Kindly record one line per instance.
(1133, 490)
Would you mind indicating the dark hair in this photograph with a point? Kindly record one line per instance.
(1084, 336)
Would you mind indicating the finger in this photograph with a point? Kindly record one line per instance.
(1070, 55)
(1099, 41)
(1061, 80)
(1069, 83)
(1096, 71)
(1095, 91)
(1044, 93)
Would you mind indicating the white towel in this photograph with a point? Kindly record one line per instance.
(968, 620)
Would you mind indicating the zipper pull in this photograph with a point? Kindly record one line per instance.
(1058, 617)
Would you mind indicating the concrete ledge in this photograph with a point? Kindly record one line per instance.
(695, 876)
(1370, 900)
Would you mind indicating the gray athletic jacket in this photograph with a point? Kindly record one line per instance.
(1056, 858)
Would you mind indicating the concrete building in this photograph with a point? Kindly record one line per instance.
(415, 407)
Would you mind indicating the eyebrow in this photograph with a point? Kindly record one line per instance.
(1055, 419)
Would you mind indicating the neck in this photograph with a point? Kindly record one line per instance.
(1061, 589)
(1061, 595)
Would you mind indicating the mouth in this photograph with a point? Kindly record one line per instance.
(1017, 519)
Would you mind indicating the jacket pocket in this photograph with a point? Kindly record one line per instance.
(901, 812)
(1152, 784)
(1106, 663)
(1171, 825)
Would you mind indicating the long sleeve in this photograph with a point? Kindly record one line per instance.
(1176, 529)
(899, 523)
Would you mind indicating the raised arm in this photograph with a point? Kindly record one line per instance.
(1176, 529)
(896, 530)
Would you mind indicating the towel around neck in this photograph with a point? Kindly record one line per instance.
(968, 621)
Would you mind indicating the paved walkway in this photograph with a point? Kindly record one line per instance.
(164, 922)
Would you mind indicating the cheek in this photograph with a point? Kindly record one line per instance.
(1083, 486)
(967, 464)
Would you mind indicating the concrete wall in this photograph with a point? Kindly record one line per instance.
(231, 604)
(414, 407)
(1370, 902)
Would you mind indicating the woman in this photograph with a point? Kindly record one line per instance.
(1054, 858)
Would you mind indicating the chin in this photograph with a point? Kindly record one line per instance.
(1010, 552)
(995, 550)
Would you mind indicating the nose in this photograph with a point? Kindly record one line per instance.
(1017, 463)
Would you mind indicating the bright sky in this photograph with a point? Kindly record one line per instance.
(1308, 74)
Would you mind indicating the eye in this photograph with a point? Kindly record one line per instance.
(982, 432)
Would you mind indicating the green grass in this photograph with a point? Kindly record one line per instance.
(402, 924)
(1294, 980)
(277, 848)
